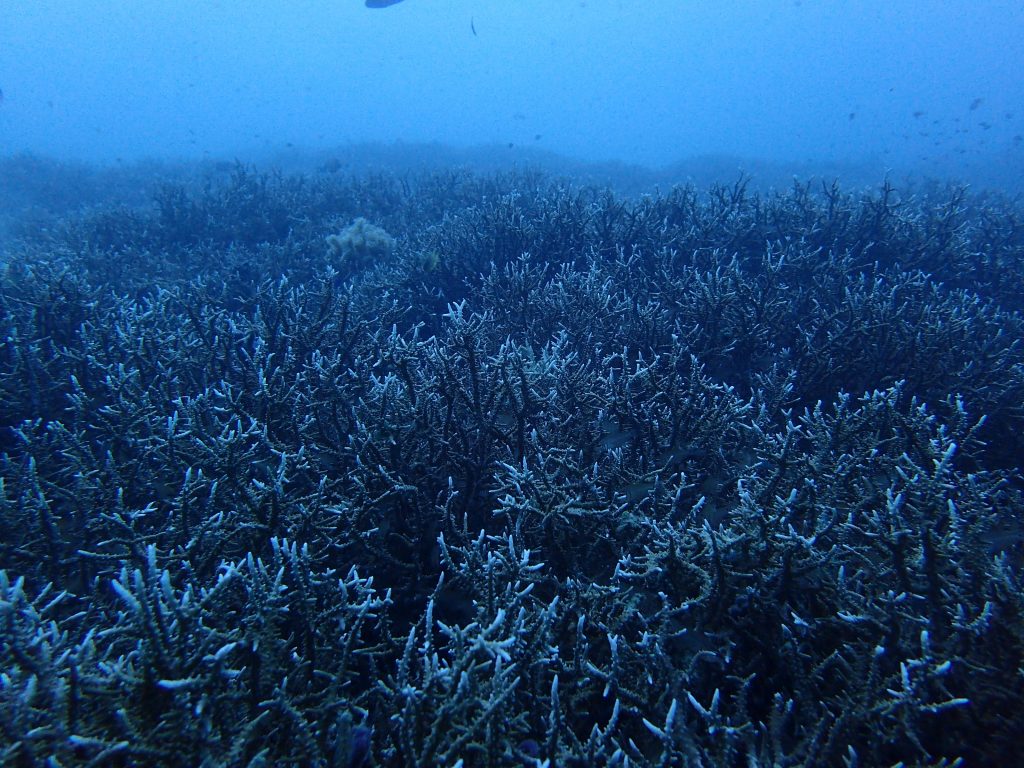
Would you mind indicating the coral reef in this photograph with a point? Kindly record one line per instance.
(695, 479)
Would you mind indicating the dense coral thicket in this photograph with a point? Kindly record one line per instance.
(561, 478)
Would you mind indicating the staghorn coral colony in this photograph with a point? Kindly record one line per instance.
(704, 478)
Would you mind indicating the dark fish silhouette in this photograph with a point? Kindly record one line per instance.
(381, 3)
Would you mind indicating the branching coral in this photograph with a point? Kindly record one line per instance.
(690, 480)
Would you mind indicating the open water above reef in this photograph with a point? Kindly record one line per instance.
(341, 467)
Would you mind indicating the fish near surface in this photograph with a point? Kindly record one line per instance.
(381, 3)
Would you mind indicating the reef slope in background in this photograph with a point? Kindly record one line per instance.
(513, 471)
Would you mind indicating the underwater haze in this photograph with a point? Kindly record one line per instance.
(917, 86)
(511, 384)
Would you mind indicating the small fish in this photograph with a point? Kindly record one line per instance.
(976, 103)
(638, 491)
(613, 437)
(381, 3)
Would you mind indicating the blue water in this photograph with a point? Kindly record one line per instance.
(809, 86)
